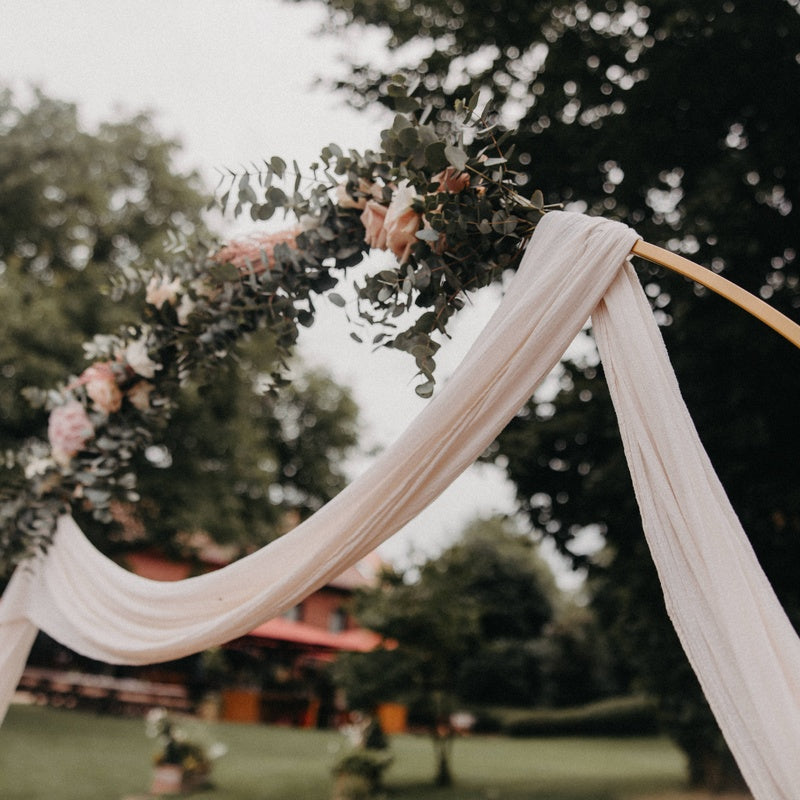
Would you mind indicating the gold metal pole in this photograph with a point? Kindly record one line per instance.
(722, 286)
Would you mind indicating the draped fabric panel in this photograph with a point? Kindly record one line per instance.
(736, 635)
(733, 629)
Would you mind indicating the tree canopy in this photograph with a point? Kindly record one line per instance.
(85, 212)
(676, 118)
(482, 623)
(76, 207)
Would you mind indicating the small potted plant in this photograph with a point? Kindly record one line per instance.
(358, 775)
(181, 765)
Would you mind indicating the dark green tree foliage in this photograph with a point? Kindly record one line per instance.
(76, 207)
(242, 465)
(680, 119)
(467, 623)
(83, 211)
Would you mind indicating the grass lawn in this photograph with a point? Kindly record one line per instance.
(65, 755)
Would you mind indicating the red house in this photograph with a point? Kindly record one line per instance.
(277, 673)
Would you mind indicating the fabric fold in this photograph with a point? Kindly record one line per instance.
(736, 635)
(96, 608)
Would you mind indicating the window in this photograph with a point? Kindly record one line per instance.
(294, 614)
(337, 621)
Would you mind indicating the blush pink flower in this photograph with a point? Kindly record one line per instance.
(372, 218)
(402, 222)
(346, 200)
(366, 190)
(160, 291)
(450, 180)
(249, 254)
(139, 395)
(68, 430)
(102, 387)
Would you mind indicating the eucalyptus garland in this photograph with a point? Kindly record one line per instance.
(446, 206)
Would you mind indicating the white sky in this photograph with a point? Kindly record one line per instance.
(232, 80)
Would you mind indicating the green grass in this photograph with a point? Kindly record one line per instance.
(63, 755)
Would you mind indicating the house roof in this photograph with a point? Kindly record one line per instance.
(281, 629)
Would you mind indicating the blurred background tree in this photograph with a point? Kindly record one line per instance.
(79, 207)
(481, 624)
(679, 119)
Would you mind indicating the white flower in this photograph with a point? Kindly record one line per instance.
(138, 360)
(217, 750)
(38, 466)
(185, 307)
(308, 222)
(203, 288)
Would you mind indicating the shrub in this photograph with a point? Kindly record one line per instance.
(622, 716)
(366, 764)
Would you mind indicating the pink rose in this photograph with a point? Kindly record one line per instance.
(102, 388)
(365, 190)
(451, 181)
(372, 218)
(346, 200)
(68, 429)
(248, 255)
(139, 395)
(402, 222)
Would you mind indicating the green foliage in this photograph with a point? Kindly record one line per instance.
(85, 217)
(91, 757)
(202, 303)
(175, 747)
(443, 622)
(677, 118)
(443, 619)
(460, 189)
(75, 208)
(366, 763)
(249, 463)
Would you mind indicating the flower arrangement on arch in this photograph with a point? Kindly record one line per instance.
(445, 205)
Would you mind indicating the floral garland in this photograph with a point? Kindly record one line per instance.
(445, 205)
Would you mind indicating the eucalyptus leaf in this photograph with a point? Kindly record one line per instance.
(427, 235)
(425, 390)
(278, 166)
(456, 157)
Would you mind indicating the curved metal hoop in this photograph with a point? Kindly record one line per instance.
(723, 287)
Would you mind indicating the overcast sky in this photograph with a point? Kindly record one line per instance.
(233, 81)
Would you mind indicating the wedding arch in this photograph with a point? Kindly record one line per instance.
(451, 213)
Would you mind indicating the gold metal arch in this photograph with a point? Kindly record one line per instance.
(723, 287)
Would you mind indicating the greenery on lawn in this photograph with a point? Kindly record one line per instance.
(67, 755)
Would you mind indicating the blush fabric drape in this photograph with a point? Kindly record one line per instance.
(735, 633)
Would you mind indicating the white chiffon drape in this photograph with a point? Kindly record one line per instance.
(735, 633)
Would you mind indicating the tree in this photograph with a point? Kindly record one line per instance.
(243, 466)
(451, 627)
(76, 207)
(82, 212)
(676, 118)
